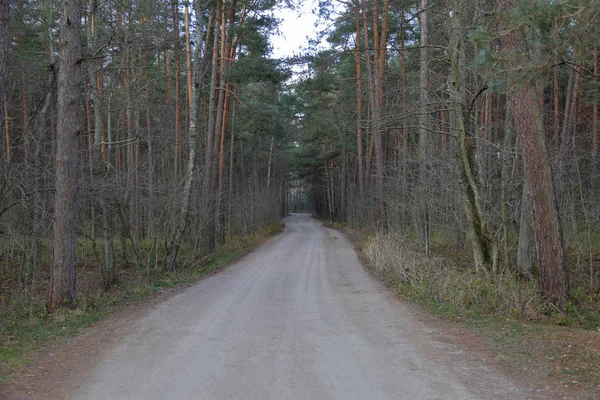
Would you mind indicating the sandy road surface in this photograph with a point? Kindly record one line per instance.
(297, 319)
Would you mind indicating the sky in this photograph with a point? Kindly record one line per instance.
(296, 28)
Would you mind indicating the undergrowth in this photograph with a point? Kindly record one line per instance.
(450, 287)
(521, 332)
(26, 324)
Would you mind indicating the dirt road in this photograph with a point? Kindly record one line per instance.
(297, 319)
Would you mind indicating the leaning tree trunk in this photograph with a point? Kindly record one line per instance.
(193, 144)
(553, 278)
(64, 241)
(469, 187)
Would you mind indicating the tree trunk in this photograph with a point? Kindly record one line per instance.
(231, 159)
(222, 120)
(380, 42)
(209, 187)
(553, 278)
(469, 188)
(554, 283)
(421, 208)
(359, 130)
(188, 66)
(375, 70)
(178, 137)
(595, 127)
(193, 145)
(505, 183)
(4, 22)
(109, 276)
(108, 266)
(525, 246)
(64, 242)
(38, 180)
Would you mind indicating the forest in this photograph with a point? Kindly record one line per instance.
(140, 137)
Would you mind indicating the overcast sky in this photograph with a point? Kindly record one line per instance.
(296, 27)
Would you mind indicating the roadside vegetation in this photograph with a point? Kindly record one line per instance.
(446, 282)
(143, 147)
(28, 325)
(523, 333)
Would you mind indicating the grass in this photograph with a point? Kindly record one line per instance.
(567, 355)
(520, 330)
(27, 326)
(445, 286)
(450, 286)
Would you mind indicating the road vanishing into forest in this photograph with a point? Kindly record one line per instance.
(298, 318)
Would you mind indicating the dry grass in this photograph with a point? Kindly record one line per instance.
(520, 332)
(443, 283)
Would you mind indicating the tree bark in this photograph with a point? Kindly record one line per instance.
(209, 159)
(595, 125)
(178, 135)
(380, 42)
(4, 23)
(64, 242)
(505, 185)
(526, 236)
(375, 71)
(231, 169)
(106, 204)
(421, 212)
(553, 278)
(38, 180)
(193, 145)
(359, 130)
(469, 187)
